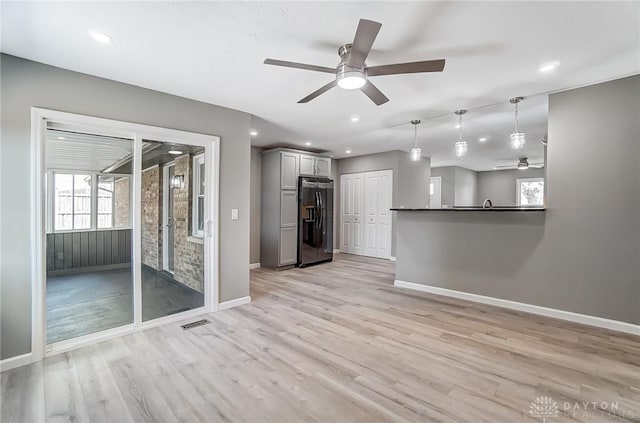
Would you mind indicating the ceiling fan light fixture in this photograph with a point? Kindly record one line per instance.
(523, 163)
(351, 80)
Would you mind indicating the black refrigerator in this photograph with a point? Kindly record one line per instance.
(315, 220)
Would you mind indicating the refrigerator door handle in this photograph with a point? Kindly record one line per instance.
(318, 210)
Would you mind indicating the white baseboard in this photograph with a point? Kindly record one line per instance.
(17, 361)
(529, 308)
(392, 258)
(234, 303)
(254, 266)
(336, 251)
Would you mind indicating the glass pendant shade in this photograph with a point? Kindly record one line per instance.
(461, 148)
(415, 154)
(517, 140)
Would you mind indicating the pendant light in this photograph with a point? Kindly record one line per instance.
(416, 153)
(460, 145)
(517, 138)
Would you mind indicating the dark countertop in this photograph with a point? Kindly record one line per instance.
(470, 209)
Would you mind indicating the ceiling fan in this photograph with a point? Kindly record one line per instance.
(352, 72)
(523, 163)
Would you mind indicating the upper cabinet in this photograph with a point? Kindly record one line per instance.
(315, 166)
(289, 170)
(323, 166)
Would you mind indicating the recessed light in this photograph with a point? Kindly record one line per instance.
(307, 143)
(483, 139)
(61, 138)
(175, 152)
(101, 37)
(253, 132)
(348, 151)
(354, 118)
(548, 67)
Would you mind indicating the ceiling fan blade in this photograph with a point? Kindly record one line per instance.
(317, 92)
(299, 66)
(374, 93)
(362, 42)
(413, 67)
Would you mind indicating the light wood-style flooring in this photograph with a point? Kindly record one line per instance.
(338, 343)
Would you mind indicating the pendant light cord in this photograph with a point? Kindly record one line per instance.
(460, 129)
(516, 118)
(415, 135)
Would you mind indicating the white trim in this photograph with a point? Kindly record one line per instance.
(234, 303)
(336, 251)
(17, 361)
(392, 258)
(528, 308)
(254, 266)
(137, 132)
(165, 211)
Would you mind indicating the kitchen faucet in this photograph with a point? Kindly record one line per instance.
(487, 204)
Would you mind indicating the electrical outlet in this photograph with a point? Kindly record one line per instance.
(234, 214)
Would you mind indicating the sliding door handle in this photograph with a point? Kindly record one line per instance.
(208, 229)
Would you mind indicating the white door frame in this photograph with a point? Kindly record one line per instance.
(165, 206)
(39, 119)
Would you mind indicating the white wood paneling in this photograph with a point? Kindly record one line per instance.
(307, 165)
(288, 246)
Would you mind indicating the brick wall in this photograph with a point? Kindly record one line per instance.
(152, 217)
(122, 199)
(188, 255)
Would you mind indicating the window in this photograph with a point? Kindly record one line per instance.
(530, 192)
(198, 195)
(77, 207)
(72, 201)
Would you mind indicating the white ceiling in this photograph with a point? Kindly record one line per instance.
(213, 52)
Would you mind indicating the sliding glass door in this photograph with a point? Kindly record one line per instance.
(173, 212)
(89, 282)
(127, 230)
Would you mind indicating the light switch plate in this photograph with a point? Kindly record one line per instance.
(234, 214)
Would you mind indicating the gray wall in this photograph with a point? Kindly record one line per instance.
(583, 254)
(256, 190)
(466, 187)
(458, 185)
(500, 185)
(447, 176)
(26, 84)
(410, 181)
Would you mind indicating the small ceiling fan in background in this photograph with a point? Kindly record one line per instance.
(523, 163)
(352, 71)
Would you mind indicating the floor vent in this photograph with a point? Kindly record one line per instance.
(195, 324)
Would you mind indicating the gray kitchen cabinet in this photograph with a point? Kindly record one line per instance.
(323, 166)
(315, 166)
(288, 209)
(288, 246)
(289, 170)
(279, 213)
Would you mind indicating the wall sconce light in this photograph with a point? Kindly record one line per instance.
(177, 181)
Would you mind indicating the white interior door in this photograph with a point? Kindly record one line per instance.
(435, 193)
(377, 194)
(351, 205)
